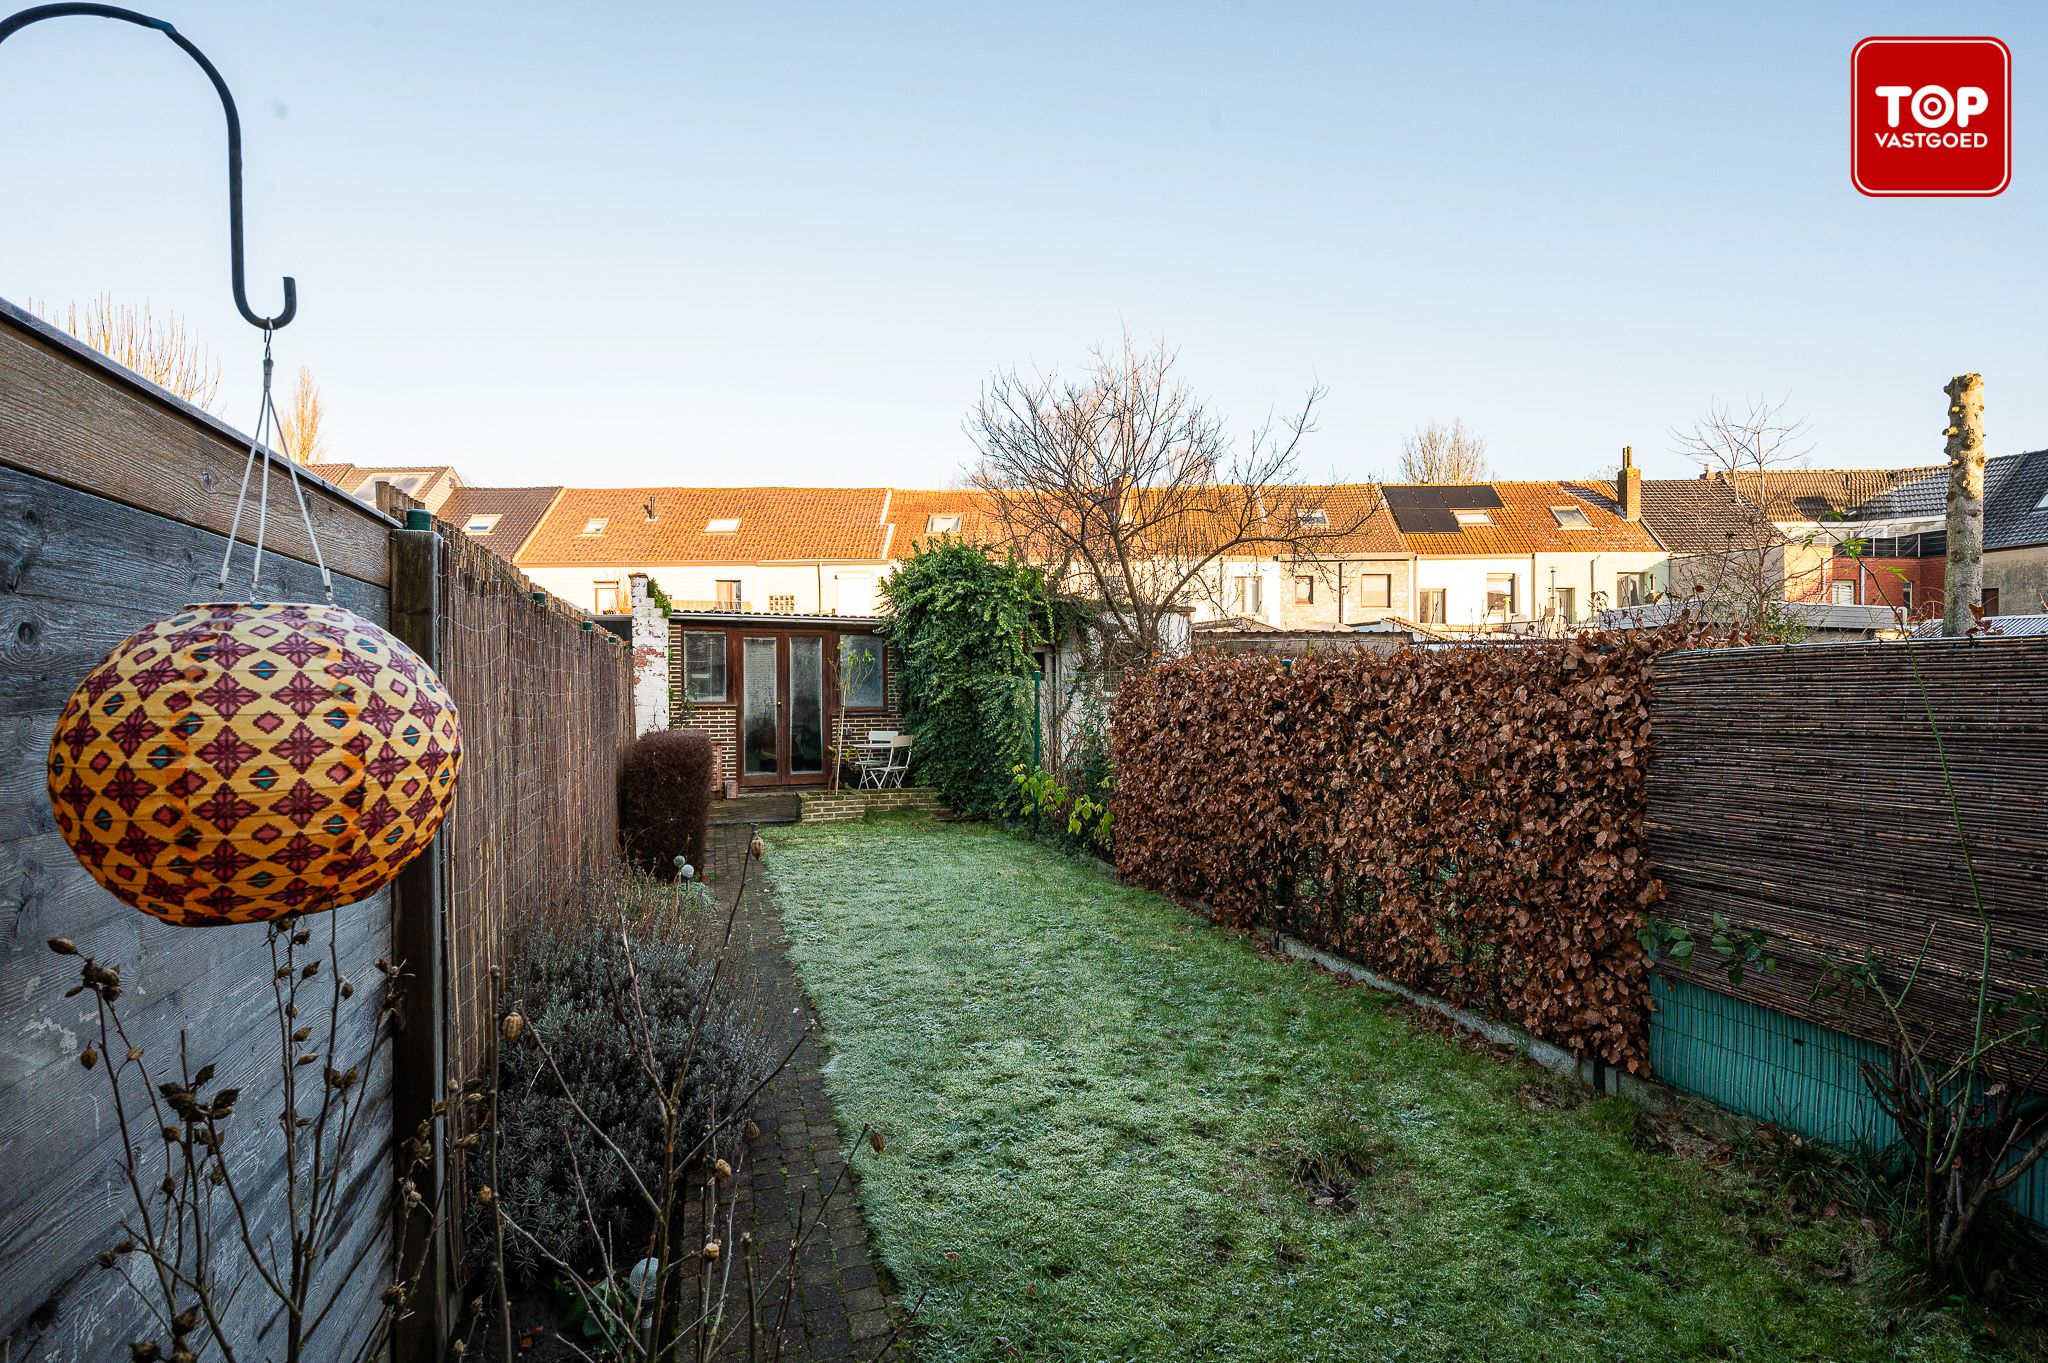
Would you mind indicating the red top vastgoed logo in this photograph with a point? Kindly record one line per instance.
(1930, 117)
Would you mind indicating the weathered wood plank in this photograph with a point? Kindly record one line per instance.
(78, 572)
(61, 418)
(418, 918)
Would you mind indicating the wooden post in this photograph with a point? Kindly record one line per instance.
(1964, 585)
(419, 1049)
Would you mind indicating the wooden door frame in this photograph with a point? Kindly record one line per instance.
(736, 667)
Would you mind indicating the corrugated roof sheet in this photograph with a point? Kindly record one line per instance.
(653, 526)
(1526, 523)
(1703, 516)
(2028, 625)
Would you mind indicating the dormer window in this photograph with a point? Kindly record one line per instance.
(942, 524)
(725, 525)
(480, 525)
(1571, 518)
(1314, 519)
(1473, 517)
(595, 525)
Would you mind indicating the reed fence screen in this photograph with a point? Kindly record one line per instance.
(547, 716)
(1806, 792)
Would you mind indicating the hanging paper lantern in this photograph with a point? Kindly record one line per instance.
(241, 762)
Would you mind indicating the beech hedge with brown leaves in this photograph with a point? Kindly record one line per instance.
(1468, 821)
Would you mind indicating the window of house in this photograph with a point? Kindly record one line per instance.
(860, 672)
(1304, 591)
(1430, 604)
(1906, 594)
(1316, 519)
(1988, 598)
(728, 594)
(724, 525)
(1246, 598)
(1376, 590)
(1565, 601)
(942, 524)
(704, 665)
(1571, 518)
(1474, 517)
(595, 525)
(1500, 596)
(1842, 593)
(480, 525)
(610, 598)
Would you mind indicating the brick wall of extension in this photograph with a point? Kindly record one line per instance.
(842, 806)
(719, 720)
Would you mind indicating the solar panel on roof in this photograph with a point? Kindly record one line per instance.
(1423, 509)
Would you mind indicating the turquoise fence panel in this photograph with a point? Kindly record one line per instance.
(1783, 1070)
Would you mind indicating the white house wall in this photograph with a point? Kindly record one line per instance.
(813, 589)
(1463, 581)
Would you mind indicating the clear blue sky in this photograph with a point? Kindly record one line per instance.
(615, 244)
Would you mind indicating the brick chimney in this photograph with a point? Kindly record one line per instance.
(1628, 486)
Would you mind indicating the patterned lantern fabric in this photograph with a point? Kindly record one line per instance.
(241, 762)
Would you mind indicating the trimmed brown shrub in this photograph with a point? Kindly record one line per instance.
(665, 800)
(1467, 822)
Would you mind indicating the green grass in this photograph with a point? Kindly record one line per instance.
(1109, 1124)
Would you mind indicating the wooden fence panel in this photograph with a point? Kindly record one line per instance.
(547, 716)
(78, 573)
(1801, 791)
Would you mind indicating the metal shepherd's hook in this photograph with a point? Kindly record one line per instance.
(15, 23)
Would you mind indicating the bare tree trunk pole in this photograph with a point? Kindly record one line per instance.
(1965, 448)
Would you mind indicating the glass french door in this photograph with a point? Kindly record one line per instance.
(782, 708)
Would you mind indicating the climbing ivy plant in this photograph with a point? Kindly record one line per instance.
(964, 622)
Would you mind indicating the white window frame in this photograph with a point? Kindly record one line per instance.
(594, 526)
(483, 523)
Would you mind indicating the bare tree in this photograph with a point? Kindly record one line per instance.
(299, 423)
(1132, 489)
(1437, 453)
(163, 352)
(1748, 581)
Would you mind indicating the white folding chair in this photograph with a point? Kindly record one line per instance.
(896, 764)
(873, 758)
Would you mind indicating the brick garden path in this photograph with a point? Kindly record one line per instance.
(845, 1305)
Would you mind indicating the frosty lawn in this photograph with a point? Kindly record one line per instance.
(1117, 1133)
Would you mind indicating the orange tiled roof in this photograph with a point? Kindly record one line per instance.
(1358, 514)
(1524, 524)
(776, 525)
(911, 511)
